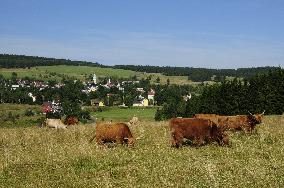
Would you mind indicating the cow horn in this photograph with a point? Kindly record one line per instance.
(250, 113)
(263, 112)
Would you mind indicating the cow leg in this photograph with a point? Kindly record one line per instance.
(199, 141)
(176, 140)
(119, 140)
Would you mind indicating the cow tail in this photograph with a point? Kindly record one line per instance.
(93, 137)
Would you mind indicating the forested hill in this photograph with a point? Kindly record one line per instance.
(22, 61)
(199, 74)
(194, 74)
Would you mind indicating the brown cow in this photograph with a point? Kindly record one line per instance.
(244, 123)
(200, 131)
(113, 132)
(71, 120)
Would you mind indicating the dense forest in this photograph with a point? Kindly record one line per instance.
(259, 93)
(194, 74)
(22, 61)
(199, 74)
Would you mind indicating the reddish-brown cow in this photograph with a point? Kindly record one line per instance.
(113, 132)
(71, 120)
(199, 131)
(244, 123)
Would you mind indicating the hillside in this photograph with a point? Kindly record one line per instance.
(51, 68)
(60, 71)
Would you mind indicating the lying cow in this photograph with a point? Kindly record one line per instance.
(244, 123)
(134, 120)
(113, 132)
(199, 131)
(54, 123)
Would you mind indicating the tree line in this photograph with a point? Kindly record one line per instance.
(255, 95)
(199, 74)
(194, 74)
(22, 61)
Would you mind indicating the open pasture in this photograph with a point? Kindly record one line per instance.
(125, 114)
(81, 72)
(41, 157)
(57, 72)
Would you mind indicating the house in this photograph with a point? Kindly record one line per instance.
(140, 89)
(151, 94)
(97, 103)
(187, 97)
(46, 107)
(141, 102)
(32, 96)
(15, 86)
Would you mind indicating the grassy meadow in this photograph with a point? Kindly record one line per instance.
(125, 114)
(31, 156)
(79, 72)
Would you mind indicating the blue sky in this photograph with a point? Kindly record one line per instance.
(200, 33)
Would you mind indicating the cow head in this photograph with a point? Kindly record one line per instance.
(131, 142)
(256, 118)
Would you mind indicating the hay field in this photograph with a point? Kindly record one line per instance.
(57, 72)
(41, 157)
(79, 72)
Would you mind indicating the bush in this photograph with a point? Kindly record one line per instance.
(29, 112)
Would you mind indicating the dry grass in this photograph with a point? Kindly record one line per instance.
(41, 157)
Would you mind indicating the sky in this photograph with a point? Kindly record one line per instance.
(187, 33)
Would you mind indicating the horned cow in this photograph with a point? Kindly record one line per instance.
(244, 123)
(200, 131)
(113, 132)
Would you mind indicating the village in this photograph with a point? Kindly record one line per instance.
(143, 98)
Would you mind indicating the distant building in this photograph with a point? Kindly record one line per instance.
(187, 97)
(140, 89)
(97, 102)
(141, 102)
(32, 96)
(95, 78)
(151, 94)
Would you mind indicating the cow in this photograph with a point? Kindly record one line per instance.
(244, 123)
(71, 120)
(113, 132)
(134, 120)
(199, 131)
(54, 123)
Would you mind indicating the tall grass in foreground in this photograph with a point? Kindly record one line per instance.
(41, 157)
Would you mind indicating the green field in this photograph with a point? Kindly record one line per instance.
(80, 72)
(31, 156)
(125, 114)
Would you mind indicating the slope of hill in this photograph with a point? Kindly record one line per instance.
(64, 71)
(47, 68)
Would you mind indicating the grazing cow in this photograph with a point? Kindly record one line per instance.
(71, 120)
(244, 123)
(113, 132)
(55, 123)
(199, 131)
